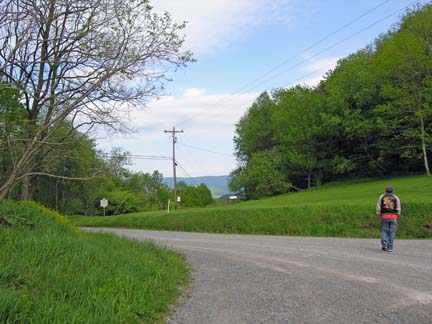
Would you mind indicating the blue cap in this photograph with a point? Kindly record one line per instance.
(389, 189)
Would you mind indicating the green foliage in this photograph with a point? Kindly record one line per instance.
(254, 130)
(192, 196)
(52, 273)
(263, 176)
(370, 117)
(334, 210)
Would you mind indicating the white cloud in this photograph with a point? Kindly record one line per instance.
(212, 24)
(326, 64)
(317, 70)
(194, 92)
(208, 122)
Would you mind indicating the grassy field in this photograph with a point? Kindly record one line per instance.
(50, 272)
(335, 210)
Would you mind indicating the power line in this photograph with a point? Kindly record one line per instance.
(205, 150)
(224, 101)
(335, 44)
(186, 173)
(143, 157)
(305, 50)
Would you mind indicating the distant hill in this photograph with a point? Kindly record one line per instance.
(218, 185)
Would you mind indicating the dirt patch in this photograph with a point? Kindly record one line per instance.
(428, 225)
(368, 225)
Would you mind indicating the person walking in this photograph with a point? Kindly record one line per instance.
(389, 208)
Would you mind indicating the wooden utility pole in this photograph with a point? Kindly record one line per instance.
(174, 138)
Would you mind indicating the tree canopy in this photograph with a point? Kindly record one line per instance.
(371, 116)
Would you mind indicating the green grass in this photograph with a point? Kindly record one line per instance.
(50, 272)
(334, 210)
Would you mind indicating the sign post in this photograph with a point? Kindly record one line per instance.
(104, 204)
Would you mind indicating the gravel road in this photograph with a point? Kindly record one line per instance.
(275, 279)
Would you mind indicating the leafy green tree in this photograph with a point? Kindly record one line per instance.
(254, 130)
(12, 126)
(404, 60)
(296, 121)
(350, 94)
(152, 192)
(262, 176)
(194, 195)
(204, 195)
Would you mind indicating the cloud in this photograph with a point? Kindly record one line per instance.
(208, 122)
(317, 69)
(194, 92)
(213, 24)
(326, 64)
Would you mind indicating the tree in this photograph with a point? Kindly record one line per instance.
(262, 176)
(194, 196)
(12, 115)
(296, 121)
(253, 131)
(404, 60)
(83, 62)
(350, 94)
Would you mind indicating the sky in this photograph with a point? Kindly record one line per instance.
(242, 48)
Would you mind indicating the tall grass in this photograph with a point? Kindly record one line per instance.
(337, 210)
(52, 273)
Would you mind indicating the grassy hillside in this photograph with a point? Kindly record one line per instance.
(50, 272)
(338, 210)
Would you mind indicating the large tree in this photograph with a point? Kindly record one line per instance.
(254, 130)
(296, 121)
(404, 61)
(81, 61)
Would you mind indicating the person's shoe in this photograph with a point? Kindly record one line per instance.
(389, 250)
(384, 245)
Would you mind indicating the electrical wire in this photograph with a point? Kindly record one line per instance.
(204, 150)
(306, 49)
(315, 55)
(186, 173)
(335, 44)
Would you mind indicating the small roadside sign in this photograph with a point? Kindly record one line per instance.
(104, 204)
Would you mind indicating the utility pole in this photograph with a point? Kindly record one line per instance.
(174, 138)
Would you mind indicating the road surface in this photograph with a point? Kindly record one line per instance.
(276, 279)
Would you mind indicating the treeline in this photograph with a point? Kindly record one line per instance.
(369, 117)
(71, 176)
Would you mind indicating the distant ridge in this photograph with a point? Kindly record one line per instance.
(218, 185)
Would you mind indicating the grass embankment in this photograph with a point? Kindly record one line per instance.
(50, 272)
(334, 210)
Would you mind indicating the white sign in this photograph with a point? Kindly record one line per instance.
(233, 197)
(178, 199)
(104, 203)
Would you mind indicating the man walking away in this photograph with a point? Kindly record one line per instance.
(389, 209)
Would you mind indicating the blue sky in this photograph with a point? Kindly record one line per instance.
(234, 43)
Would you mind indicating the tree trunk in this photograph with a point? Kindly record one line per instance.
(25, 188)
(4, 189)
(423, 143)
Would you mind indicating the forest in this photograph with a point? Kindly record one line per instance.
(369, 117)
(72, 175)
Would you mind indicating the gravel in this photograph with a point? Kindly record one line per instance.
(277, 279)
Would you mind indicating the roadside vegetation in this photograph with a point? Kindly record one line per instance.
(334, 210)
(50, 272)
